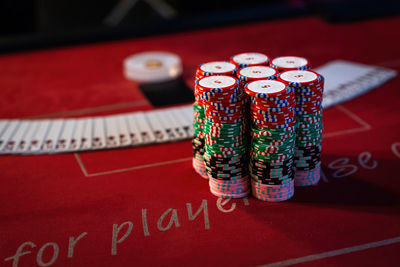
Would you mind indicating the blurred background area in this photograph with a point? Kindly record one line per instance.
(33, 24)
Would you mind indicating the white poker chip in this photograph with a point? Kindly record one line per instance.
(289, 62)
(217, 82)
(250, 58)
(266, 86)
(299, 76)
(218, 67)
(257, 72)
(152, 67)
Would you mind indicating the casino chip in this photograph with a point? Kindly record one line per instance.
(198, 142)
(215, 68)
(256, 73)
(249, 59)
(152, 67)
(225, 133)
(290, 63)
(308, 86)
(272, 144)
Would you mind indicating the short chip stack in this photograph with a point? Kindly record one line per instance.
(308, 87)
(225, 126)
(272, 139)
(198, 143)
(249, 59)
(290, 63)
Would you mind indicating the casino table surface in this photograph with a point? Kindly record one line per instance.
(145, 206)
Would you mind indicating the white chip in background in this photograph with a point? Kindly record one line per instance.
(152, 67)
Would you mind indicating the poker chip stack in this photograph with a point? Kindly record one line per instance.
(272, 139)
(198, 139)
(308, 86)
(198, 143)
(225, 136)
(249, 59)
(290, 63)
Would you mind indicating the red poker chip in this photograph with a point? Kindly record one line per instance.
(217, 82)
(259, 112)
(280, 68)
(255, 73)
(315, 96)
(308, 109)
(266, 117)
(274, 98)
(270, 110)
(277, 114)
(281, 94)
(300, 103)
(216, 68)
(226, 110)
(282, 120)
(295, 76)
(311, 95)
(273, 108)
(224, 119)
(289, 102)
(266, 122)
(248, 59)
(271, 126)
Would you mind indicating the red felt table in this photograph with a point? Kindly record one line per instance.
(51, 200)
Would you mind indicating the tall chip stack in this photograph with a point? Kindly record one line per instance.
(290, 63)
(198, 143)
(272, 139)
(308, 86)
(249, 59)
(225, 126)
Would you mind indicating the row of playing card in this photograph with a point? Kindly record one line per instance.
(344, 80)
(68, 135)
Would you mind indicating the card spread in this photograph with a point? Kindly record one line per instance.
(343, 81)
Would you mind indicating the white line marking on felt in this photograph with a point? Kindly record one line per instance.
(84, 111)
(365, 125)
(79, 160)
(155, 164)
(333, 253)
